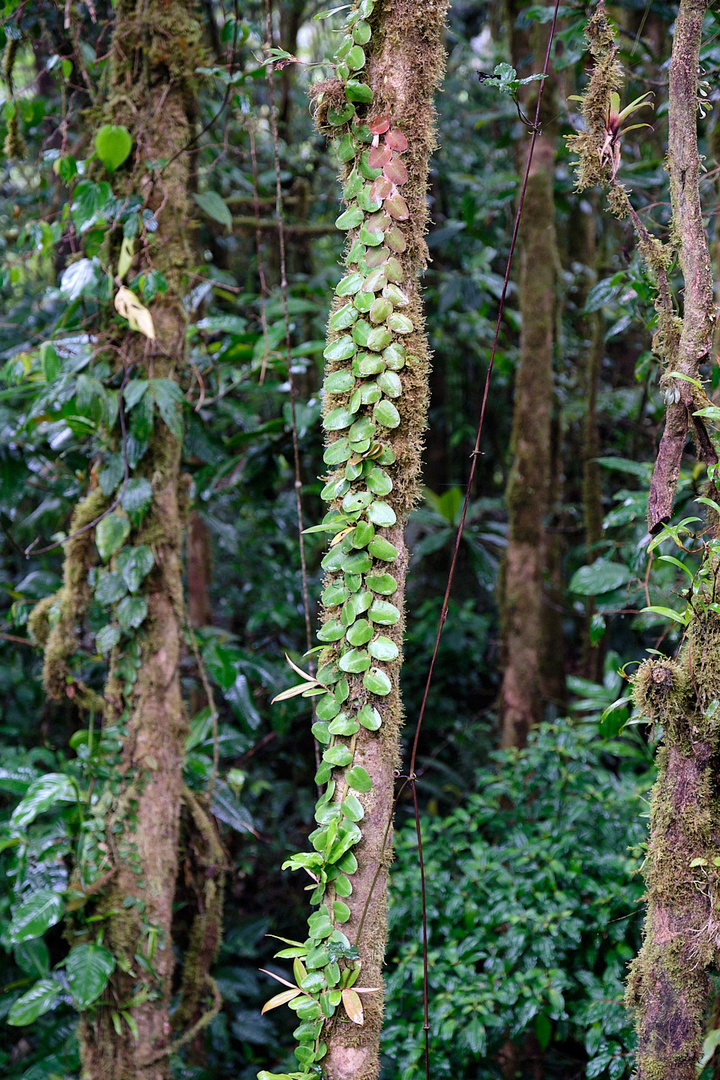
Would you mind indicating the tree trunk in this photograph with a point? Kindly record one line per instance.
(528, 492)
(669, 985)
(153, 63)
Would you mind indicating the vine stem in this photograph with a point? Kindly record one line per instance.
(288, 353)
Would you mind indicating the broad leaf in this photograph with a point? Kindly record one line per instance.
(38, 999)
(37, 914)
(88, 969)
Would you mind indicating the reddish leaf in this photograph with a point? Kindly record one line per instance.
(378, 222)
(397, 207)
(396, 140)
(395, 239)
(378, 124)
(396, 172)
(378, 156)
(381, 188)
(376, 256)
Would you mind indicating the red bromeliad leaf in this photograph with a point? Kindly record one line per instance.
(378, 156)
(381, 188)
(396, 140)
(378, 124)
(396, 172)
(397, 207)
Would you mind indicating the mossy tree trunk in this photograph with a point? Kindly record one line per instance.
(154, 54)
(405, 60)
(669, 983)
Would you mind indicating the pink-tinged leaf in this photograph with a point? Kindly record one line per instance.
(294, 691)
(367, 989)
(396, 140)
(279, 979)
(396, 172)
(376, 256)
(280, 999)
(379, 156)
(378, 124)
(299, 671)
(378, 222)
(380, 189)
(395, 239)
(397, 207)
(353, 1006)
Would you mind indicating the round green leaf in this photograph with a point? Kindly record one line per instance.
(343, 318)
(88, 969)
(111, 533)
(337, 452)
(379, 338)
(337, 419)
(357, 563)
(368, 364)
(381, 514)
(358, 779)
(358, 91)
(327, 707)
(383, 613)
(361, 331)
(340, 349)
(363, 534)
(390, 384)
(355, 59)
(321, 732)
(334, 594)
(341, 911)
(377, 682)
(113, 144)
(370, 718)
(338, 756)
(382, 648)
(382, 549)
(360, 632)
(395, 356)
(344, 725)
(355, 661)
(332, 630)
(380, 310)
(385, 584)
(350, 284)
(350, 219)
(362, 429)
(379, 482)
(386, 414)
(339, 382)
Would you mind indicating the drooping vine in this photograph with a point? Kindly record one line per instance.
(378, 112)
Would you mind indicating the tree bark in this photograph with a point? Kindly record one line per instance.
(153, 60)
(669, 986)
(528, 491)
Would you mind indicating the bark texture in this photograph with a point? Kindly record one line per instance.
(669, 986)
(154, 55)
(528, 491)
(404, 66)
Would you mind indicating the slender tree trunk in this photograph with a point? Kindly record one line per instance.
(405, 59)
(528, 492)
(154, 55)
(669, 984)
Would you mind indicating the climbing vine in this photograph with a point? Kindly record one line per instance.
(374, 401)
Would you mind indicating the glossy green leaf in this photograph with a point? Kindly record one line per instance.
(43, 794)
(379, 338)
(332, 630)
(380, 548)
(350, 219)
(339, 382)
(363, 534)
(358, 562)
(42, 909)
(381, 514)
(337, 419)
(132, 612)
(337, 452)
(111, 533)
(109, 589)
(383, 648)
(389, 383)
(113, 144)
(89, 968)
(350, 284)
(602, 576)
(39, 999)
(340, 349)
(383, 613)
(334, 595)
(321, 732)
(384, 584)
(341, 911)
(355, 661)
(134, 564)
(360, 632)
(358, 778)
(136, 499)
(358, 91)
(377, 682)
(386, 414)
(337, 756)
(379, 482)
(344, 724)
(370, 718)
(107, 638)
(343, 318)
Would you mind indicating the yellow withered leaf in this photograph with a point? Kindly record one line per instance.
(128, 305)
